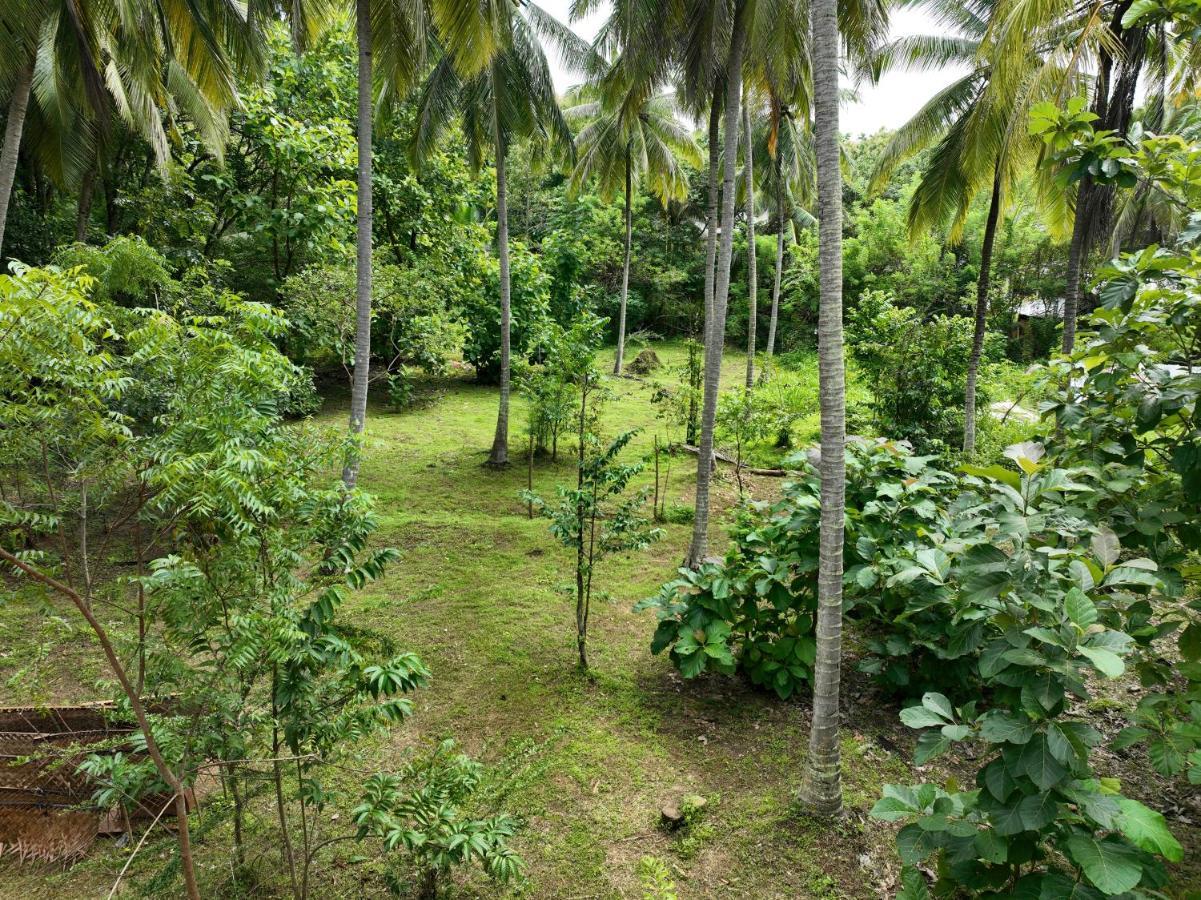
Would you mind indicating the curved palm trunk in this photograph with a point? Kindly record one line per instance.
(625, 272)
(500, 443)
(973, 366)
(13, 126)
(362, 304)
(752, 263)
(721, 291)
(822, 789)
(775, 288)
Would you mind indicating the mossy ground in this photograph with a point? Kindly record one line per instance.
(586, 762)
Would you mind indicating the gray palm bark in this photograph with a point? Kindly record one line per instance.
(752, 263)
(500, 443)
(775, 288)
(18, 105)
(625, 269)
(822, 789)
(1071, 297)
(83, 207)
(973, 366)
(362, 304)
(711, 225)
(715, 336)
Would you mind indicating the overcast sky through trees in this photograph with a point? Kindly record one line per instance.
(886, 105)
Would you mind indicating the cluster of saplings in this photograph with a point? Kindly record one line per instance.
(237, 546)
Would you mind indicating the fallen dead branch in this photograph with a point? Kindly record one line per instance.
(726, 458)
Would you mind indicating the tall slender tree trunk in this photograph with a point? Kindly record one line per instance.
(362, 331)
(721, 290)
(1071, 296)
(625, 270)
(822, 789)
(1113, 104)
(581, 596)
(500, 443)
(775, 288)
(752, 262)
(973, 366)
(711, 224)
(13, 126)
(83, 207)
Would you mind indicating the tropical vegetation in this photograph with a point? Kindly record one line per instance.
(474, 448)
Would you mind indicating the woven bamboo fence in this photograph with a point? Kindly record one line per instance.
(46, 811)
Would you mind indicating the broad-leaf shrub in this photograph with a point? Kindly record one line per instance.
(423, 811)
(530, 307)
(755, 609)
(411, 324)
(1127, 407)
(1051, 605)
(916, 367)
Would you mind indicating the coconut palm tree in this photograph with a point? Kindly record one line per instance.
(72, 70)
(493, 74)
(752, 262)
(700, 44)
(393, 33)
(721, 236)
(822, 789)
(777, 68)
(790, 181)
(981, 144)
(624, 144)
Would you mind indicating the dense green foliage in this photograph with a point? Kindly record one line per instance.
(190, 272)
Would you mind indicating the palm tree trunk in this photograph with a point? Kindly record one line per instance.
(500, 443)
(973, 366)
(752, 263)
(13, 127)
(1071, 296)
(822, 789)
(721, 290)
(775, 288)
(83, 207)
(711, 207)
(362, 331)
(625, 272)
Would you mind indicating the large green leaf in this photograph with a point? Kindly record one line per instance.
(1039, 763)
(1080, 608)
(1147, 829)
(1106, 662)
(1110, 864)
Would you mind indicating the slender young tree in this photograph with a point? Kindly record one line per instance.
(822, 789)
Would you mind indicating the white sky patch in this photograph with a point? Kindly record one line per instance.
(888, 104)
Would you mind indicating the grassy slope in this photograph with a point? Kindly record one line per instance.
(591, 761)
